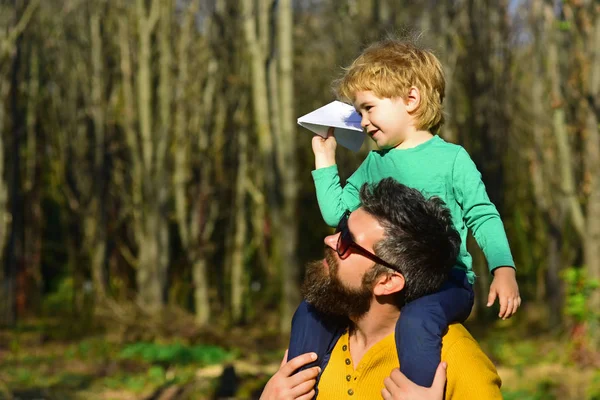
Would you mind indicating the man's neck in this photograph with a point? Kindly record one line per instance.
(376, 324)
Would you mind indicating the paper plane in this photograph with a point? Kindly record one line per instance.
(342, 117)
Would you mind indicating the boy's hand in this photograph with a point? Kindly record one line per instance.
(324, 149)
(399, 387)
(284, 385)
(504, 286)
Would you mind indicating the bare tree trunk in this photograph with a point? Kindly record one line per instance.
(151, 226)
(592, 160)
(8, 59)
(554, 288)
(287, 167)
(238, 275)
(14, 257)
(562, 139)
(543, 167)
(95, 221)
(195, 206)
(263, 179)
(32, 191)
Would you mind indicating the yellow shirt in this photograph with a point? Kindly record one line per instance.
(470, 375)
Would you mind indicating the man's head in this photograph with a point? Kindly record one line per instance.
(398, 226)
(398, 70)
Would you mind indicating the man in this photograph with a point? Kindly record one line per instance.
(397, 247)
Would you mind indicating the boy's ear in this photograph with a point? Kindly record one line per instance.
(413, 99)
(389, 284)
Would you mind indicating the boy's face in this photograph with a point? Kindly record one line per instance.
(385, 120)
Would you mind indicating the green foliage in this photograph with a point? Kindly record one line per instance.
(577, 292)
(61, 300)
(135, 383)
(514, 354)
(563, 26)
(176, 353)
(88, 348)
(544, 390)
(155, 376)
(593, 391)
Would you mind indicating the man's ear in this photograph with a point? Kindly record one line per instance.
(389, 284)
(413, 99)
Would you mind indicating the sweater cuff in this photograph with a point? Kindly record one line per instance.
(506, 263)
(324, 173)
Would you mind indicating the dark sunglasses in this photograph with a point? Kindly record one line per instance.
(345, 243)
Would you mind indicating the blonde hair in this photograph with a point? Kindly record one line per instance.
(389, 69)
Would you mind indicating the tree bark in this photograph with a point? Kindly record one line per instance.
(288, 233)
(238, 275)
(9, 56)
(32, 187)
(95, 220)
(263, 175)
(151, 229)
(592, 159)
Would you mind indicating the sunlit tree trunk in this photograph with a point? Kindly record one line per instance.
(198, 107)
(238, 274)
(32, 188)
(150, 223)
(95, 218)
(288, 227)
(543, 161)
(591, 25)
(8, 92)
(256, 38)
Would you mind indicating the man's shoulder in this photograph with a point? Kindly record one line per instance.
(458, 334)
(464, 356)
(457, 330)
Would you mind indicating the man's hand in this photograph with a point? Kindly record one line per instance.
(300, 386)
(505, 287)
(399, 387)
(324, 149)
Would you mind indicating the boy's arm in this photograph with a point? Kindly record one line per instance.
(332, 198)
(479, 214)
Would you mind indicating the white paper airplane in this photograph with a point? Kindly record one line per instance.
(342, 117)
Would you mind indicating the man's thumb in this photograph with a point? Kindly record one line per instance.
(285, 356)
(439, 381)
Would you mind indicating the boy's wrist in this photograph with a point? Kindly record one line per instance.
(504, 270)
(324, 160)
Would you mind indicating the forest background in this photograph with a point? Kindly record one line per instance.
(157, 207)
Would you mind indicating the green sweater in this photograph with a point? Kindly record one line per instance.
(436, 168)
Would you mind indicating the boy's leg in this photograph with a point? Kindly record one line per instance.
(311, 332)
(422, 324)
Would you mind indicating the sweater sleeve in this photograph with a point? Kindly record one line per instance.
(471, 374)
(479, 214)
(334, 199)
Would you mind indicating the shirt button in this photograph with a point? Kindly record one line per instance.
(348, 377)
(348, 361)
(344, 347)
(350, 392)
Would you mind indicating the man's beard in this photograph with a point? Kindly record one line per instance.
(329, 295)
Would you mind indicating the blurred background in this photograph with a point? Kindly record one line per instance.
(157, 207)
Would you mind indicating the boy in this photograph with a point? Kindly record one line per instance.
(398, 89)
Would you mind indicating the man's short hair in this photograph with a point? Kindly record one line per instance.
(419, 236)
(389, 69)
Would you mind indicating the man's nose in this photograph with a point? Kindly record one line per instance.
(332, 240)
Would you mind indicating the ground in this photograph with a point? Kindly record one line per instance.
(36, 362)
